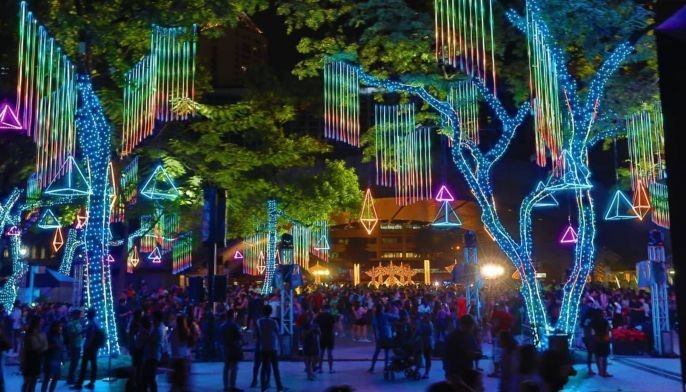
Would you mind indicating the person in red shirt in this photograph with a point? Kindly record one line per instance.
(501, 321)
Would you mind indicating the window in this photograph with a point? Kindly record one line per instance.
(391, 226)
(392, 255)
(411, 255)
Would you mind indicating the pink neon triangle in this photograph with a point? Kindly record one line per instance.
(110, 259)
(444, 194)
(14, 231)
(8, 118)
(570, 236)
(238, 255)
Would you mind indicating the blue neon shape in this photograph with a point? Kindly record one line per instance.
(620, 208)
(161, 188)
(69, 184)
(548, 200)
(48, 220)
(446, 217)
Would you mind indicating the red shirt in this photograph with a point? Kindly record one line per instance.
(502, 321)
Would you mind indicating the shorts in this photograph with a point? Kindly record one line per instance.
(326, 343)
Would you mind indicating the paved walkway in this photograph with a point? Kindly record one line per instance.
(631, 374)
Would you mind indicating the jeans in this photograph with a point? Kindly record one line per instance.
(270, 358)
(74, 354)
(377, 350)
(92, 357)
(230, 373)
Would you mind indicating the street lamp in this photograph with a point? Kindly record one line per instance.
(492, 271)
(23, 251)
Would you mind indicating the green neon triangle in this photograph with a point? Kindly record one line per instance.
(48, 220)
(446, 217)
(160, 186)
(72, 182)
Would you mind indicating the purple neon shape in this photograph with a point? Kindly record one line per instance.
(238, 255)
(570, 236)
(9, 119)
(444, 194)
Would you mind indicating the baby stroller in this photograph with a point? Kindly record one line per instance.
(403, 360)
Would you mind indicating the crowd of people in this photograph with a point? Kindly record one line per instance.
(410, 326)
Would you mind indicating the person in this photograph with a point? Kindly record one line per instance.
(463, 350)
(588, 338)
(527, 375)
(231, 341)
(74, 340)
(382, 324)
(16, 317)
(5, 345)
(508, 362)
(94, 340)
(181, 342)
(123, 314)
(360, 325)
(601, 332)
(152, 353)
(501, 321)
(267, 333)
(139, 331)
(35, 344)
(326, 321)
(53, 357)
(556, 367)
(310, 338)
(425, 333)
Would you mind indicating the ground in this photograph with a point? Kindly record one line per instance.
(631, 374)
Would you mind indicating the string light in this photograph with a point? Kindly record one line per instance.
(660, 204)
(182, 253)
(464, 98)
(70, 248)
(272, 218)
(72, 181)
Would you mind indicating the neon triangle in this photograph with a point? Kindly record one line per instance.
(261, 268)
(57, 240)
(238, 255)
(620, 208)
(9, 119)
(444, 194)
(72, 182)
(134, 259)
(160, 186)
(323, 243)
(81, 220)
(569, 236)
(446, 217)
(110, 259)
(572, 177)
(368, 217)
(13, 231)
(112, 187)
(155, 256)
(48, 220)
(548, 200)
(641, 201)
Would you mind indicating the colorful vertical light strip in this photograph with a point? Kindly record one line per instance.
(140, 102)
(645, 136)
(659, 199)
(129, 182)
(463, 96)
(46, 96)
(341, 103)
(302, 242)
(545, 94)
(33, 188)
(167, 73)
(182, 253)
(464, 36)
(403, 153)
(255, 249)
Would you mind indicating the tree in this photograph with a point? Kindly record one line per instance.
(587, 119)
